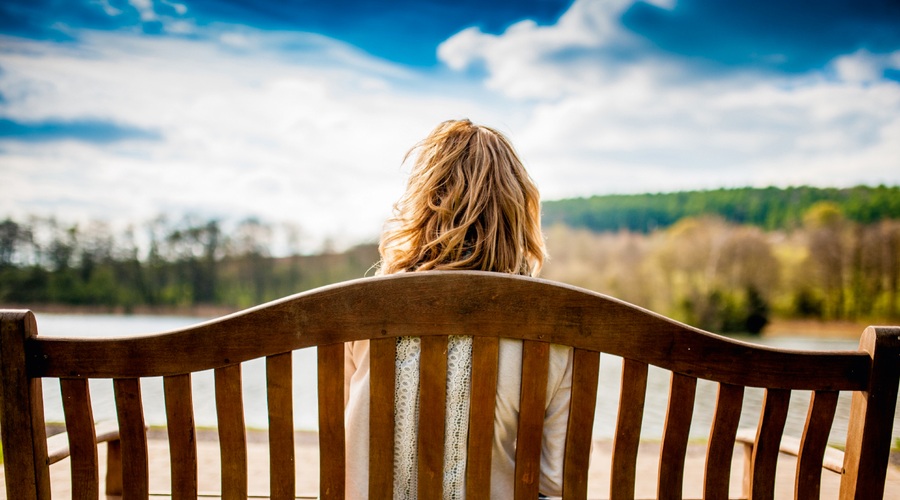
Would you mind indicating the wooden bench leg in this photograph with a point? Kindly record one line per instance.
(113, 468)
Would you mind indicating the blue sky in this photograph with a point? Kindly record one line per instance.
(301, 112)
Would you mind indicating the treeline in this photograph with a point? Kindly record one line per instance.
(705, 270)
(180, 264)
(769, 208)
(730, 277)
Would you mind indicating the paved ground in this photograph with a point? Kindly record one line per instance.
(307, 470)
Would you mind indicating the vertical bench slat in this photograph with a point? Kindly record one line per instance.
(133, 437)
(23, 431)
(483, 393)
(432, 416)
(279, 394)
(332, 451)
(822, 406)
(768, 443)
(382, 359)
(628, 429)
(720, 449)
(579, 433)
(532, 405)
(39, 435)
(871, 413)
(182, 435)
(680, 411)
(232, 433)
(76, 398)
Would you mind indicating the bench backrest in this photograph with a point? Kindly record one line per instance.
(434, 305)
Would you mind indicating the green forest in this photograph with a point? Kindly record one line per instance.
(723, 260)
(769, 208)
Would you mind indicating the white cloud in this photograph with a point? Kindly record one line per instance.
(864, 67)
(529, 61)
(179, 8)
(278, 135)
(662, 4)
(145, 8)
(608, 113)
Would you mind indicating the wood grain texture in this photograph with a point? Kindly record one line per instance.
(432, 416)
(382, 356)
(451, 303)
(819, 418)
(232, 434)
(332, 449)
(768, 443)
(280, 400)
(719, 449)
(532, 404)
(85, 467)
(182, 435)
(22, 405)
(628, 429)
(579, 432)
(114, 478)
(871, 416)
(485, 369)
(133, 438)
(676, 431)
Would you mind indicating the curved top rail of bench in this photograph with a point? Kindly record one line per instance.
(454, 303)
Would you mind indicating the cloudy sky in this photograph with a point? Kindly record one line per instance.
(301, 112)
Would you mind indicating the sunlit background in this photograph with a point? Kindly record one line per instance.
(301, 112)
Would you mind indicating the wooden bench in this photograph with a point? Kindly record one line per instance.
(434, 305)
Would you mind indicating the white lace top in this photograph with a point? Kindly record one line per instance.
(356, 393)
(406, 416)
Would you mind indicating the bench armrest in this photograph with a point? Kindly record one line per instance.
(833, 459)
(58, 445)
(106, 431)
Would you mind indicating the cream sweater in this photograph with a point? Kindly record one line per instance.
(356, 397)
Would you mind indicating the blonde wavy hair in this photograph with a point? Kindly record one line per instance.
(469, 205)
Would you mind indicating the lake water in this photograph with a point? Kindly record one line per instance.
(305, 384)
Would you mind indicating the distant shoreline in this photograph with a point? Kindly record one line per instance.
(199, 311)
(814, 328)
